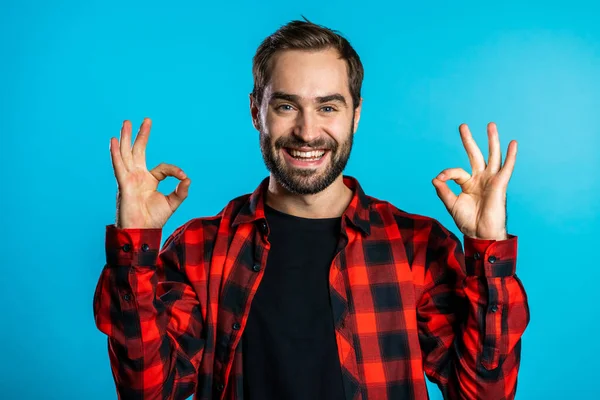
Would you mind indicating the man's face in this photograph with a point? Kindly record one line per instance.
(306, 120)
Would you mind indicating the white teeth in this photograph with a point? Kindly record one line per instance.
(307, 154)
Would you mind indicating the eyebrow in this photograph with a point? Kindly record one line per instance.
(319, 100)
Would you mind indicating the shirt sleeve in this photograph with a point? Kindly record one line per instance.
(471, 316)
(150, 313)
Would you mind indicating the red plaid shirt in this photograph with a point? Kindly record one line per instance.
(406, 302)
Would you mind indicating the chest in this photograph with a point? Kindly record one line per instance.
(373, 284)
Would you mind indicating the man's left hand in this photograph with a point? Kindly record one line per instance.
(479, 210)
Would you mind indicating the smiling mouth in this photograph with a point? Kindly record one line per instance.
(312, 155)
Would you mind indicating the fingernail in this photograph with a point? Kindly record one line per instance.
(441, 176)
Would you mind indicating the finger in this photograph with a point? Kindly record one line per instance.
(458, 175)
(161, 171)
(495, 153)
(180, 193)
(509, 164)
(475, 156)
(141, 140)
(117, 161)
(444, 193)
(125, 144)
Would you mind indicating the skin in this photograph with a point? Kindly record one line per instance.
(308, 101)
(292, 108)
(139, 203)
(479, 211)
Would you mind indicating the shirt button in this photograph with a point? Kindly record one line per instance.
(220, 387)
(126, 247)
(494, 308)
(145, 247)
(476, 256)
(256, 268)
(263, 227)
(127, 297)
(492, 259)
(236, 326)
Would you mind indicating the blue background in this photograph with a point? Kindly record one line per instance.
(71, 72)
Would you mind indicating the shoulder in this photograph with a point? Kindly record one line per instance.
(207, 227)
(412, 225)
(400, 216)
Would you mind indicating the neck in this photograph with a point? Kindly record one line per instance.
(329, 203)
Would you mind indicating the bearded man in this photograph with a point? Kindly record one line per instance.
(308, 288)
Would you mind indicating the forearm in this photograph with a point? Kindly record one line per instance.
(132, 350)
(487, 348)
(473, 314)
(142, 333)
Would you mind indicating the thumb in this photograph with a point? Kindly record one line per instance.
(444, 193)
(458, 175)
(177, 196)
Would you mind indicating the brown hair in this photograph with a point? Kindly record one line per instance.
(305, 35)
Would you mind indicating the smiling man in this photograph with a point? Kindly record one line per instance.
(308, 288)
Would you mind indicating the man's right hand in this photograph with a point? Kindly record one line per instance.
(139, 203)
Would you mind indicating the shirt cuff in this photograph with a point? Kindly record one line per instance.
(490, 258)
(130, 247)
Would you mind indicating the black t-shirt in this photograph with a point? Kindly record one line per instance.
(289, 346)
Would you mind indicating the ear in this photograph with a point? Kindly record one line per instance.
(254, 112)
(357, 111)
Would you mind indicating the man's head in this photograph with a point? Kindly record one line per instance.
(306, 104)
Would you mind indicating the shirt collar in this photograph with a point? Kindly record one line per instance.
(357, 212)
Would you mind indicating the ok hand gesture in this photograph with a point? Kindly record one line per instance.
(479, 210)
(139, 203)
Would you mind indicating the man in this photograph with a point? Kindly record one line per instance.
(308, 288)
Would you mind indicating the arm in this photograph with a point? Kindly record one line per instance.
(471, 316)
(151, 315)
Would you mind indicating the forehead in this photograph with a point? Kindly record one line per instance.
(309, 73)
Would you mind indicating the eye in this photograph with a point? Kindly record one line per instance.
(328, 109)
(284, 107)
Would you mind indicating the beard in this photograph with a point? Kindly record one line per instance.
(303, 180)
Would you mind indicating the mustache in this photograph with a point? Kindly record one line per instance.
(293, 142)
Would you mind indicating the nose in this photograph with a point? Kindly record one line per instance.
(306, 127)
